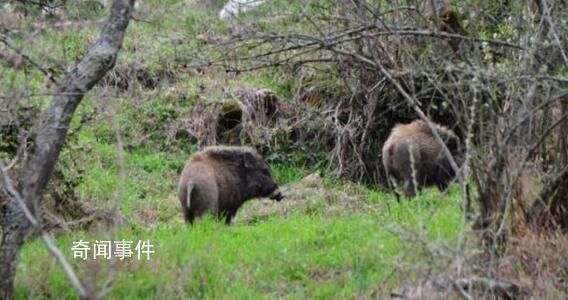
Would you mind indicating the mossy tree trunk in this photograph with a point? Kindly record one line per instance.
(49, 137)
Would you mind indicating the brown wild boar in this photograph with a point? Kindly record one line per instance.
(219, 179)
(412, 154)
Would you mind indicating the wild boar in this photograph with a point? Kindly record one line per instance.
(412, 155)
(219, 179)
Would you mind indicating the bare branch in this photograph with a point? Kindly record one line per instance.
(116, 203)
(47, 73)
(546, 13)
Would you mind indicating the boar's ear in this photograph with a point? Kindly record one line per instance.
(247, 160)
(453, 144)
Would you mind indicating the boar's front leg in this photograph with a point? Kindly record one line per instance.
(229, 215)
(410, 188)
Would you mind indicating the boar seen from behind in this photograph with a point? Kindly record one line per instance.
(413, 157)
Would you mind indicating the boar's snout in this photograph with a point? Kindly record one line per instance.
(277, 195)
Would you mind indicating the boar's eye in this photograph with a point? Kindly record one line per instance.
(265, 172)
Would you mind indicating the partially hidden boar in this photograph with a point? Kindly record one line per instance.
(220, 179)
(412, 155)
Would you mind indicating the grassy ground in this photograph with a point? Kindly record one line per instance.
(311, 252)
(334, 240)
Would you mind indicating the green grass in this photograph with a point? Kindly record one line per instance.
(300, 256)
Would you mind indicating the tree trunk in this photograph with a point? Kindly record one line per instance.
(15, 228)
(50, 133)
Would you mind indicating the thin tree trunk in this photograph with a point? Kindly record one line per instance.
(50, 134)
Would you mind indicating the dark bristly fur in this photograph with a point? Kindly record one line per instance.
(430, 164)
(220, 179)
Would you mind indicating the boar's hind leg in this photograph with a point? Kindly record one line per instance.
(229, 215)
(185, 200)
(190, 217)
(443, 187)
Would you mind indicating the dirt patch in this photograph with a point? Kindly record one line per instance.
(309, 196)
(124, 76)
(10, 21)
(280, 130)
(539, 261)
(147, 215)
(533, 266)
(251, 116)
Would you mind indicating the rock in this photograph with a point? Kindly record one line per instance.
(234, 7)
(312, 180)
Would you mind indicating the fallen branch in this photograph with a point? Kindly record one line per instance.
(438, 288)
(499, 288)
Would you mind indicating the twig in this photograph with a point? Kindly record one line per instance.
(543, 201)
(303, 41)
(531, 114)
(519, 170)
(546, 13)
(116, 203)
(49, 75)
